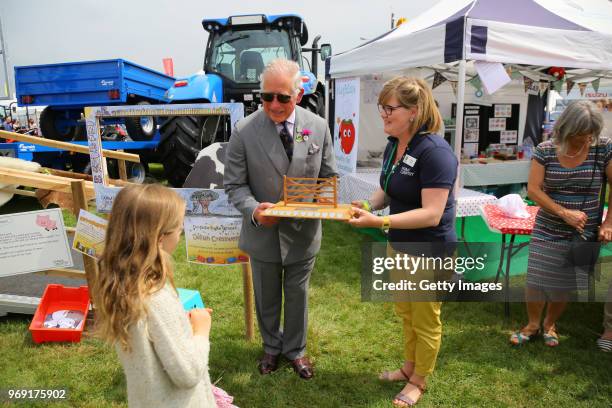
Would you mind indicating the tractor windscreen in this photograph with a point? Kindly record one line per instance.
(242, 55)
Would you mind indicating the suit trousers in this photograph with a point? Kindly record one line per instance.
(270, 281)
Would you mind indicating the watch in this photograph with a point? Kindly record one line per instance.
(386, 223)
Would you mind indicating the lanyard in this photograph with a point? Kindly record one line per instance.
(388, 173)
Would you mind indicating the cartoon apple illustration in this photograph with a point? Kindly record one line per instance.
(347, 135)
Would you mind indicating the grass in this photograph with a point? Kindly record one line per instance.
(350, 342)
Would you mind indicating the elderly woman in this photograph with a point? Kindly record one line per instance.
(565, 181)
(417, 181)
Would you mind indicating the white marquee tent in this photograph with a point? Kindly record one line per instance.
(534, 33)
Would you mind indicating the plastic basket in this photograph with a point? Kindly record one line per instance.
(59, 297)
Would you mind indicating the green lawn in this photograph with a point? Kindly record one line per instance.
(349, 341)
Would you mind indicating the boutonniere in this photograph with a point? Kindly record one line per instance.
(302, 135)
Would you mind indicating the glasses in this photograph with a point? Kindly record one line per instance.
(388, 109)
(269, 97)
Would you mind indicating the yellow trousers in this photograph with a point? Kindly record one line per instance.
(422, 333)
(421, 323)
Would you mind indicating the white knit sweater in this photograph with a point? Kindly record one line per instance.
(167, 365)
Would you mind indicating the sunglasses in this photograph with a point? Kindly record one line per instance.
(269, 97)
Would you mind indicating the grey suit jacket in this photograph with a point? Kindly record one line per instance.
(255, 164)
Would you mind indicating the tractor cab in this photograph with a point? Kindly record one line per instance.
(239, 47)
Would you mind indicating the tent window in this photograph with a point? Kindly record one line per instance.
(479, 40)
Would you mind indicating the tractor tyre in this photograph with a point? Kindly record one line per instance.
(182, 138)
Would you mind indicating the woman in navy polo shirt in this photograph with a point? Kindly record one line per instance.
(417, 181)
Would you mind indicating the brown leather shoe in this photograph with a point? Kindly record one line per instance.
(303, 367)
(268, 363)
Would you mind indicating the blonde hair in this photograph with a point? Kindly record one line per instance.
(286, 68)
(414, 92)
(133, 265)
(579, 118)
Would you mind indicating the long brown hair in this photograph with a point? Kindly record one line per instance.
(132, 265)
(414, 92)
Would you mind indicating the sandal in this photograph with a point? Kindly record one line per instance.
(408, 400)
(519, 338)
(604, 345)
(551, 338)
(386, 376)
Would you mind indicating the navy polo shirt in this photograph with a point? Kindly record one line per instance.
(428, 162)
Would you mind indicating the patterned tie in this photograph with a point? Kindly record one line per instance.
(287, 140)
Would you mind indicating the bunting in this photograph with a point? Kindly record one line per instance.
(437, 80)
(476, 83)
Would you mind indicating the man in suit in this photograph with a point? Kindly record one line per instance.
(280, 139)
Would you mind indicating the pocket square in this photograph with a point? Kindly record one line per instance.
(313, 149)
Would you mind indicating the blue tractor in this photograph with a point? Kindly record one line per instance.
(238, 49)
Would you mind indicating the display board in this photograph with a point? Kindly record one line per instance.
(489, 124)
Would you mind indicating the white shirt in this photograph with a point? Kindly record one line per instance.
(290, 124)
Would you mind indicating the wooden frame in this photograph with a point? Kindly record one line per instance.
(316, 190)
(315, 198)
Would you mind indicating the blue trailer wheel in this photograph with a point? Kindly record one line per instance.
(142, 128)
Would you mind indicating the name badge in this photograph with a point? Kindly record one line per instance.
(409, 160)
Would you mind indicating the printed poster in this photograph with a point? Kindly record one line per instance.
(214, 240)
(470, 149)
(471, 135)
(472, 122)
(503, 111)
(33, 241)
(198, 201)
(497, 124)
(346, 124)
(508, 136)
(90, 234)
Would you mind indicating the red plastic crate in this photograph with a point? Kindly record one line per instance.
(59, 297)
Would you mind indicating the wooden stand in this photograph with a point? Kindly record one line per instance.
(121, 157)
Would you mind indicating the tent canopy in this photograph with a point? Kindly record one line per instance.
(565, 33)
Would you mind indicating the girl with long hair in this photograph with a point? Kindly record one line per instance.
(163, 351)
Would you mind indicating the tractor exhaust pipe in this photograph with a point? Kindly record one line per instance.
(314, 59)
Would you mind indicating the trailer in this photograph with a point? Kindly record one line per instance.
(65, 89)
